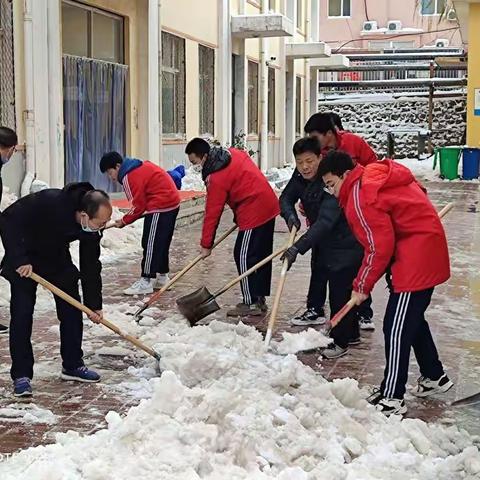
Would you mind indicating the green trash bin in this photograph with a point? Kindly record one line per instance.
(449, 158)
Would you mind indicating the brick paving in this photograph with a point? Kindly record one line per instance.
(453, 317)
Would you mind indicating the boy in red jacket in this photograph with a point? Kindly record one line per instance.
(232, 178)
(154, 196)
(399, 229)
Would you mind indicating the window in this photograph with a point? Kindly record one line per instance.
(253, 98)
(300, 14)
(7, 74)
(298, 106)
(89, 32)
(272, 5)
(339, 8)
(271, 101)
(433, 7)
(173, 85)
(206, 68)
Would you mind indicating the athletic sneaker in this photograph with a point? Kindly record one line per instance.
(22, 387)
(81, 374)
(161, 280)
(333, 351)
(390, 406)
(4, 330)
(144, 286)
(426, 387)
(244, 310)
(366, 323)
(310, 317)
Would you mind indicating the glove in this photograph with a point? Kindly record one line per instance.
(290, 255)
(293, 221)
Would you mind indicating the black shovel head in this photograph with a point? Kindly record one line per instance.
(197, 305)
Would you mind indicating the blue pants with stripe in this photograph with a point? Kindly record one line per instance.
(158, 231)
(405, 327)
(251, 247)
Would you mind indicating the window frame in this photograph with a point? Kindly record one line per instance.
(253, 103)
(272, 110)
(436, 12)
(179, 72)
(202, 130)
(342, 9)
(300, 20)
(298, 106)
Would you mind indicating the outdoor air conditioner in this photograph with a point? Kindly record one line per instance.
(370, 26)
(452, 15)
(394, 25)
(441, 43)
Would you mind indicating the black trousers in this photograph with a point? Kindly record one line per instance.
(340, 291)
(317, 290)
(22, 304)
(157, 236)
(251, 247)
(404, 327)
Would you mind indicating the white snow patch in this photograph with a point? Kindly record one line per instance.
(224, 408)
(193, 180)
(29, 413)
(298, 342)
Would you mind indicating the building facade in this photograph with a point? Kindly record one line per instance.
(383, 24)
(144, 77)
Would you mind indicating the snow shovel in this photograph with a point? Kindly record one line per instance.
(467, 401)
(278, 293)
(446, 209)
(67, 298)
(178, 276)
(201, 303)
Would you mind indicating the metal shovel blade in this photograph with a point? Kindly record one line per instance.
(197, 305)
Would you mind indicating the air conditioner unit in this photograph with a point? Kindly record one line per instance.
(441, 43)
(452, 15)
(370, 26)
(394, 25)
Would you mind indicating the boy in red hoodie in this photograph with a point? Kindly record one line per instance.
(399, 229)
(155, 197)
(232, 178)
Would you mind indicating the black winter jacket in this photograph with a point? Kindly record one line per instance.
(329, 234)
(38, 230)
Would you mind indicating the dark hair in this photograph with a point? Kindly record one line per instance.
(337, 121)
(8, 138)
(110, 160)
(92, 201)
(335, 162)
(198, 146)
(307, 144)
(320, 122)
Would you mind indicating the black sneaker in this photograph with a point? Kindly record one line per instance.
(427, 387)
(391, 406)
(310, 317)
(333, 351)
(262, 304)
(366, 323)
(4, 330)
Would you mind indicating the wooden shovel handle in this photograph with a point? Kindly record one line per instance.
(75, 303)
(260, 264)
(278, 293)
(184, 270)
(341, 313)
(446, 209)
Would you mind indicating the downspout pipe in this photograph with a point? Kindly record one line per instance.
(29, 115)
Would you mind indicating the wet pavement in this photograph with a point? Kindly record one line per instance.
(454, 317)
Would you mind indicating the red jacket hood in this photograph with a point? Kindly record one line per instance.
(375, 177)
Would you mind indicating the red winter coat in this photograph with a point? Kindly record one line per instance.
(150, 189)
(360, 151)
(232, 178)
(392, 217)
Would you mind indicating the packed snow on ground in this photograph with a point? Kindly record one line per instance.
(193, 180)
(225, 408)
(26, 413)
(299, 342)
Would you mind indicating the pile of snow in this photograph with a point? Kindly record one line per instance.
(193, 180)
(309, 339)
(26, 413)
(224, 408)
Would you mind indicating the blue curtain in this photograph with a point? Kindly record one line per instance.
(94, 114)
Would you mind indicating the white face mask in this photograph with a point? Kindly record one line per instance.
(87, 229)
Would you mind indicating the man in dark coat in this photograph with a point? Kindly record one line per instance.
(36, 232)
(335, 251)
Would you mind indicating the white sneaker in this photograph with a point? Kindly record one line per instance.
(144, 286)
(161, 280)
(427, 387)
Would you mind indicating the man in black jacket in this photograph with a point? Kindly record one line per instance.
(36, 232)
(334, 249)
